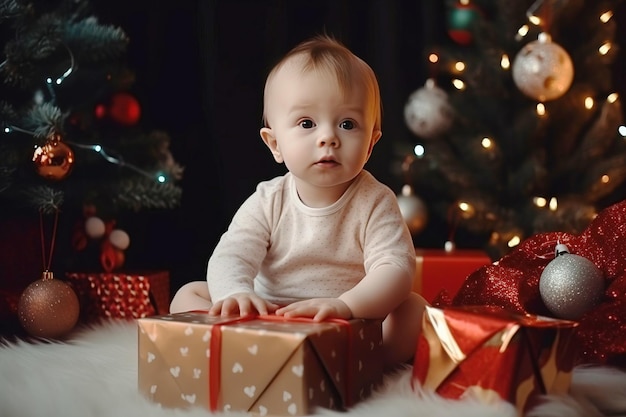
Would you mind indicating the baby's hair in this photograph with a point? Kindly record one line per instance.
(326, 54)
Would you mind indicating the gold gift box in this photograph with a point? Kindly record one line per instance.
(265, 365)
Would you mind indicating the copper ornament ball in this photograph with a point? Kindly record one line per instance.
(48, 308)
(53, 160)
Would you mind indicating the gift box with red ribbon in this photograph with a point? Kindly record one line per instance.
(263, 365)
(442, 273)
(104, 295)
(488, 353)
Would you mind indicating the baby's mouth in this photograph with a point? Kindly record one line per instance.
(328, 161)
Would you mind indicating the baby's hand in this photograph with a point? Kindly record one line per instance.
(317, 308)
(244, 304)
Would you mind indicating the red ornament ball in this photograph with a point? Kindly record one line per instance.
(124, 109)
(48, 308)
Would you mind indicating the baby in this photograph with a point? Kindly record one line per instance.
(325, 240)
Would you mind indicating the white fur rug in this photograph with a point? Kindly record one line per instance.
(95, 374)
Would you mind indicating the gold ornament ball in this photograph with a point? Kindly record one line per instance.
(413, 211)
(48, 308)
(54, 159)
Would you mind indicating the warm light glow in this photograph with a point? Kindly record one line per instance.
(622, 130)
(612, 98)
(554, 204)
(535, 20)
(459, 84)
(514, 241)
(407, 190)
(541, 109)
(433, 58)
(459, 66)
(486, 142)
(523, 31)
(605, 179)
(505, 62)
(464, 2)
(589, 103)
(419, 150)
(605, 48)
(540, 201)
(606, 16)
(465, 206)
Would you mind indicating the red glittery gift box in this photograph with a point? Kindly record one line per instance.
(442, 272)
(488, 353)
(121, 295)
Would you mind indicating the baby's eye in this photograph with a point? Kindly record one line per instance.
(347, 124)
(306, 124)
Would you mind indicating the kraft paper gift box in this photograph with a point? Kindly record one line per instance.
(263, 365)
(439, 270)
(120, 295)
(488, 353)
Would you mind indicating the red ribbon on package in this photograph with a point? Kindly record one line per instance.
(216, 347)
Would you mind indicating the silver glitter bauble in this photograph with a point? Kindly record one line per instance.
(413, 210)
(570, 285)
(543, 70)
(428, 112)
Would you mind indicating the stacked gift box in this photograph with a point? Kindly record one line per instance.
(121, 295)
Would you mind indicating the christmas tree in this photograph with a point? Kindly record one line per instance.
(518, 125)
(72, 135)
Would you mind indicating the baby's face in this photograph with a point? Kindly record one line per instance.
(323, 135)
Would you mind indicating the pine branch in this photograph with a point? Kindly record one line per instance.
(140, 193)
(95, 42)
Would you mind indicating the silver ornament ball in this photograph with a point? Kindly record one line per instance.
(571, 285)
(427, 112)
(543, 70)
(413, 209)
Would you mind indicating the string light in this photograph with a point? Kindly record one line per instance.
(514, 241)
(612, 98)
(589, 103)
(622, 130)
(554, 204)
(161, 178)
(505, 62)
(606, 16)
(540, 202)
(605, 179)
(459, 84)
(419, 150)
(486, 143)
(433, 58)
(604, 48)
(459, 66)
(541, 109)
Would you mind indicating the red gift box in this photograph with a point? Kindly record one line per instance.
(265, 365)
(121, 295)
(489, 353)
(439, 270)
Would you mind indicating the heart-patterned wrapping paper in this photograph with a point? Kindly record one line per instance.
(264, 365)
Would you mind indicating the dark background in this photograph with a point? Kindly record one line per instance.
(200, 71)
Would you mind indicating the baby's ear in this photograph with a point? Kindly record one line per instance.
(270, 140)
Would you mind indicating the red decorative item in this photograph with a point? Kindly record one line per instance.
(513, 283)
(121, 296)
(476, 352)
(124, 109)
(439, 273)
